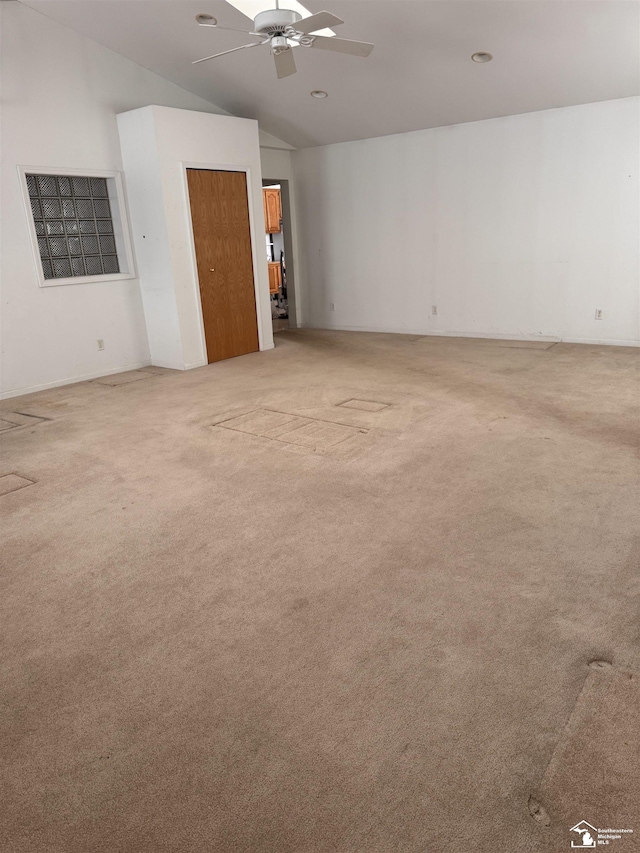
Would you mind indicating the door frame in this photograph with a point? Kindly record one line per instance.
(225, 167)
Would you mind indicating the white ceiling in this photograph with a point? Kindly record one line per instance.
(548, 53)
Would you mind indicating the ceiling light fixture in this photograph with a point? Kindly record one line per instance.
(206, 19)
(319, 94)
(481, 56)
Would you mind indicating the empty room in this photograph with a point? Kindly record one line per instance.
(319, 426)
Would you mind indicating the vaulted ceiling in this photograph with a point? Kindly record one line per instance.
(547, 53)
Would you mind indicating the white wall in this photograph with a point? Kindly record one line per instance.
(61, 93)
(518, 227)
(158, 144)
(150, 235)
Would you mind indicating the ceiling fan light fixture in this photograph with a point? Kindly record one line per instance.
(482, 56)
(319, 94)
(283, 29)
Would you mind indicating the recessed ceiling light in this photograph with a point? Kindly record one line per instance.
(481, 56)
(206, 19)
(318, 93)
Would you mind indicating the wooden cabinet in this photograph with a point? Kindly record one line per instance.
(275, 276)
(272, 210)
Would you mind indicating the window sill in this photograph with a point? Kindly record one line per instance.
(87, 279)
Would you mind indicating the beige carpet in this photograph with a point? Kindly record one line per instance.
(340, 596)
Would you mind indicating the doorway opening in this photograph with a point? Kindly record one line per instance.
(275, 198)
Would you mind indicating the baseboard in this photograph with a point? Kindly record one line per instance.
(434, 333)
(549, 338)
(606, 342)
(514, 336)
(492, 336)
(58, 383)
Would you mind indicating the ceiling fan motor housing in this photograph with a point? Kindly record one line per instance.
(274, 22)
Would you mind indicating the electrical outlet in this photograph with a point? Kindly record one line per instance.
(332, 306)
(434, 310)
(598, 313)
(100, 343)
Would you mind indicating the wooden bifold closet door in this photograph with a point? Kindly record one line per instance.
(222, 238)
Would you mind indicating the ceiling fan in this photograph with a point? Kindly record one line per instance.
(279, 27)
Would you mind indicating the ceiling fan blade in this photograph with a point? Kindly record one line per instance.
(233, 50)
(229, 29)
(285, 63)
(317, 22)
(355, 48)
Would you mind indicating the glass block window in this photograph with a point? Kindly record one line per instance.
(74, 225)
